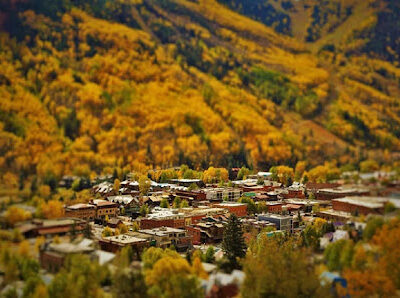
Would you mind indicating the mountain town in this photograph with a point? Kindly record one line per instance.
(199, 148)
(178, 227)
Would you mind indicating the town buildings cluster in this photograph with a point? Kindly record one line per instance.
(117, 218)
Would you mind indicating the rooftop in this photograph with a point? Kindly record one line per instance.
(273, 215)
(186, 180)
(80, 206)
(164, 213)
(124, 239)
(369, 202)
(124, 199)
(230, 204)
(103, 203)
(161, 231)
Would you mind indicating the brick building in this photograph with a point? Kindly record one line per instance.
(163, 217)
(274, 207)
(165, 237)
(238, 209)
(51, 227)
(83, 211)
(198, 195)
(115, 243)
(362, 205)
(336, 193)
(105, 208)
(206, 232)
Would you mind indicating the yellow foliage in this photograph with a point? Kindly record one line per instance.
(15, 214)
(198, 268)
(52, 209)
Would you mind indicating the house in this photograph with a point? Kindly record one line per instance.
(130, 204)
(130, 185)
(104, 188)
(114, 222)
(126, 201)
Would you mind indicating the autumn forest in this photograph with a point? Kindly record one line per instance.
(89, 86)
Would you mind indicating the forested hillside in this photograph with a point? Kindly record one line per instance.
(91, 85)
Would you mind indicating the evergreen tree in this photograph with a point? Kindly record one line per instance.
(87, 232)
(233, 243)
(210, 255)
(164, 203)
(144, 210)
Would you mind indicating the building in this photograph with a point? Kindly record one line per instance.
(165, 237)
(114, 222)
(264, 175)
(363, 205)
(115, 243)
(104, 188)
(128, 186)
(105, 208)
(314, 186)
(220, 193)
(335, 216)
(250, 224)
(130, 204)
(293, 191)
(52, 255)
(239, 209)
(282, 222)
(51, 227)
(188, 182)
(221, 284)
(306, 205)
(163, 217)
(274, 207)
(83, 211)
(126, 201)
(206, 232)
(340, 192)
(197, 195)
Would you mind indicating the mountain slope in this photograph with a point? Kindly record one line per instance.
(96, 84)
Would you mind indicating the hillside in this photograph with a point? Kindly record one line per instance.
(91, 85)
(370, 27)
